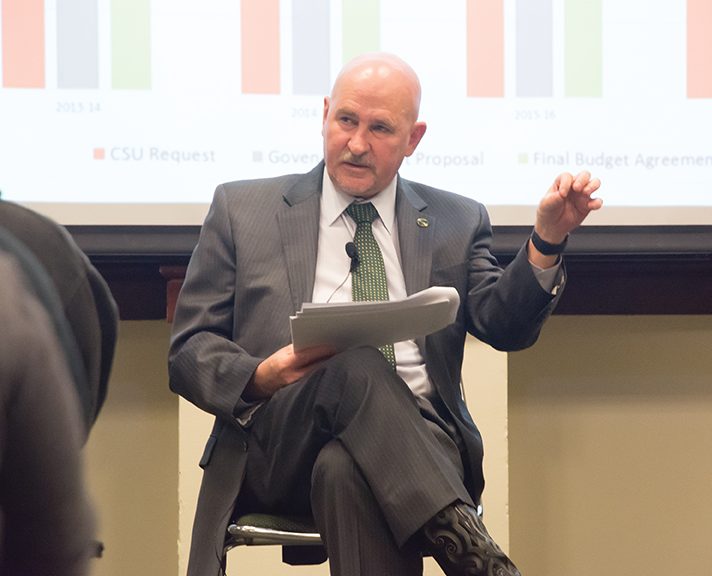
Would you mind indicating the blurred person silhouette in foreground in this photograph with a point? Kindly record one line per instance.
(46, 521)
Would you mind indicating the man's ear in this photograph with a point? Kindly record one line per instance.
(416, 134)
(327, 102)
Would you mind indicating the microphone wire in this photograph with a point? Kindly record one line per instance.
(352, 253)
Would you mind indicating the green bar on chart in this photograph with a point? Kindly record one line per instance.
(361, 23)
(131, 44)
(583, 48)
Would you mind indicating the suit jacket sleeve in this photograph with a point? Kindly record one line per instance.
(504, 308)
(205, 366)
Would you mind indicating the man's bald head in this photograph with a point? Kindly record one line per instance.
(382, 67)
(371, 123)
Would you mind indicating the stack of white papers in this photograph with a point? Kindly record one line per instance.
(347, 324)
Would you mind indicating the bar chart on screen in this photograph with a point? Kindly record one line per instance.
(310, 39)
(61, 40)
(156, 101)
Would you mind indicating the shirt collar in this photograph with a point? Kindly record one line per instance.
(334, 202)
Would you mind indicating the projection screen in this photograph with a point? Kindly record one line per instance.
(132, 111)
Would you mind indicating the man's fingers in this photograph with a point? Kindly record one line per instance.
(315, 353)
(581, 181)
(562, 184)
(595, 204)
(592, 186)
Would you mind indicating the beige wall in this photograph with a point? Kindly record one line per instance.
(609, 432)
(132, 459)
(610, 447)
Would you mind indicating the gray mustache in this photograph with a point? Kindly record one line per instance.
(357, 160)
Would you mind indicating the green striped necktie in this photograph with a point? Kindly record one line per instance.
(368, 279)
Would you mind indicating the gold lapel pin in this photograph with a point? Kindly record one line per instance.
(422, 222)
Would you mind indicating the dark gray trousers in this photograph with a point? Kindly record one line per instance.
(351, 445)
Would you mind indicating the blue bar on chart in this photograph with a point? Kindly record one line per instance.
(77, 44)
(535, 62)
(311, 46)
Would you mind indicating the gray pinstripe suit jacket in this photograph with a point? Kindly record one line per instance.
(253, 267)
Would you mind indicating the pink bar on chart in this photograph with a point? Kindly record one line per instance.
(23, 44)
(260, 46)
(699, 49)
(485, 48)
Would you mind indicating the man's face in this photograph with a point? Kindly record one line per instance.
(369, 127)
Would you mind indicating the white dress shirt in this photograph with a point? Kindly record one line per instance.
(333, 279)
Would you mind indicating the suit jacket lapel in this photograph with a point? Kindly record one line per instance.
(299, 228)
(415, 234)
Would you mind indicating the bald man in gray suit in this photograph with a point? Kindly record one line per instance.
(388, 461)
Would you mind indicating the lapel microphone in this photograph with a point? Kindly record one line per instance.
(352, 253)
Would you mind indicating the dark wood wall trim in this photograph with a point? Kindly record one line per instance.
(611, 269)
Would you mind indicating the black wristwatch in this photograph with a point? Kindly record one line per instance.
(547, 248)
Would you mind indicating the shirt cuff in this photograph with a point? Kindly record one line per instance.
(550, 279)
